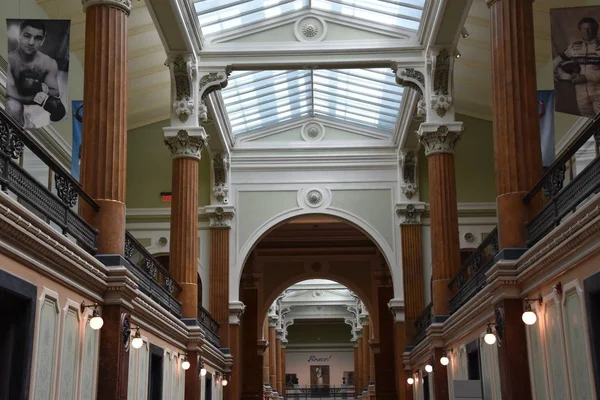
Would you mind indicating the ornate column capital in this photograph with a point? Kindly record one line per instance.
(364, 319)
(124, 5)
(272, 321)
(184, 74)
(410, 212)
(437, 138)
(396, 307)
(186, 142)
(220, 216)
(236, 309)
(409, 177)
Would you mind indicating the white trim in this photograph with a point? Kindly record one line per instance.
(69, 305)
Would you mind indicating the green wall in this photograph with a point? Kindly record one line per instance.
(474, 163)
(315, 332)
(149, 168)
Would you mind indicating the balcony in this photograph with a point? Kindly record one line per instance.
(32, 177)
(211, 327)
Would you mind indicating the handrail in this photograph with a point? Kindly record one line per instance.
(423, 322)
(212, 326)
(49, 160)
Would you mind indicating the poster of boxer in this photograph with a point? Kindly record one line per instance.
(38, 71)
(576, 59)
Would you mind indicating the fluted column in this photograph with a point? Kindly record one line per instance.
(104, 139)
(366, 361)
(272, 354)
(186, 148)
(356, 364)
(267, 356)
(358, 376)
(279, 367)
(398, 311)
(439, 142)
(233, 391)
(517, 150)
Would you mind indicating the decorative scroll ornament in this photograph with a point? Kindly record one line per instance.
(65, 190)
(408, 166)
(220, 217)
(10, 143)
(441, 141)
(183, 74)
(411, 213)
(211, 82)
(421, 109)
(124, 5)
(221, 186)
(185, 146)
(441, 99)
(411, 78)
(553, 183)
(364, 319)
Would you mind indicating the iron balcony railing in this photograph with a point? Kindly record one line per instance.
(53, 198)
(423, 322)
(568, 182)
(211, 327)
(471, 277)
(153, 279)
(320, 392)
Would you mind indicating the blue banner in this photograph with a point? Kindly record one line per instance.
(77, 106)
(546, 115)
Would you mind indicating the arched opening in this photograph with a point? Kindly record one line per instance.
(312, 247)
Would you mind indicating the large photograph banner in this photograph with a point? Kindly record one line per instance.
(38, 71)
(576, 59)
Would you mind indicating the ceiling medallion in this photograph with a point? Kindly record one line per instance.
(312, 131)
(310, 29)
(314, 198)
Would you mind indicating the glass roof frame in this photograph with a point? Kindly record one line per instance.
(361, 97)
(219, 16)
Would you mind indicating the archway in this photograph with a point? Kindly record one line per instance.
(315, 246)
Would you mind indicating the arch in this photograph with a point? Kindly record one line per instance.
(357, 222)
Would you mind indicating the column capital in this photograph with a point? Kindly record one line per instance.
(124, 5)
(364, 319)
(437, 138)
(261, 346)
(490, 3)
(411, 212)
(396, 307)
(220, 216)
(186, 142)
(236, 309)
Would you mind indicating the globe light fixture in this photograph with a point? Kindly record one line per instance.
(96, 321)
(444, 361)
(224, 382)
(429, 368)
(529, 317)
(185, 365)
(136, 340)
(202, 370)
(410, 381)
(489, 337)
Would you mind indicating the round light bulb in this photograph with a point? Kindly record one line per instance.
(490, 338)
(428, 368)
(96, 322)
(529, 317)
(185, 365)
(224, 382)
(137, 343)
(444, 360)
(410, 381)
(203, 372)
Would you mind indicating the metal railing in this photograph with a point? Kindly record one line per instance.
(423, 322)
(320, 392)
(54, 208)
(153, 279)
(561, 199)
(471, 277)
(211, 327)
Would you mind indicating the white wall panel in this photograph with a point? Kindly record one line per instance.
(69, 355)
(89, 362)
(47, 344)
(142, 378)
(555, 350)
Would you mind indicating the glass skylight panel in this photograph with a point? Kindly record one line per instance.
(217, 16)
(260, 99)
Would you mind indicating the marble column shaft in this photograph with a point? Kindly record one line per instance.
(399, 346)
(412, 274)
(233, 391)
(267, 355)
(272, 357)
(219, 281)
(184, 232)
(366, 356)
(104, 138)
(515, 114)
(359, 371)
(279, 368)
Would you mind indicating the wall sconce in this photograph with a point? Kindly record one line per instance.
(529, 317)
(185, 364)
(464, 33)
(428, 368)
(217, 378)
(136, 340)
(444, 360)
(457, 54)
(224, 382)
(202, 369)
(96, 321)
(491, 338)
(410, 380)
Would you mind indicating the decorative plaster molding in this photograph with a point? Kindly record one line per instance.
(212, 81)
(310, 28)
(314, 198)
(236, 309)
(124, 5)
(312, 131)
(411, 212)
(220, 216)
(412, 78)
(397, 307)
(221, 177)
(364, 319)
(490, 3)
(183, 75)
(408, 172)
(186, 143)
(441, 96)
(437, 138)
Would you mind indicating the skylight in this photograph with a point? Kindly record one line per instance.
(216, 16)
(261, 99)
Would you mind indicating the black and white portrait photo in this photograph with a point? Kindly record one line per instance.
(38, 70)
(576, 59)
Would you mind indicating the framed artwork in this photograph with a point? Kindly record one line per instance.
(319, 375)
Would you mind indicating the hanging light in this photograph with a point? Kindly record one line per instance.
(224, 382)
(444, 360)
(185, 365)
(529, 317)
(429, 368)
(137, 342)
(410, 381)
(489, 337)
(202, 369)
(96, 322)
